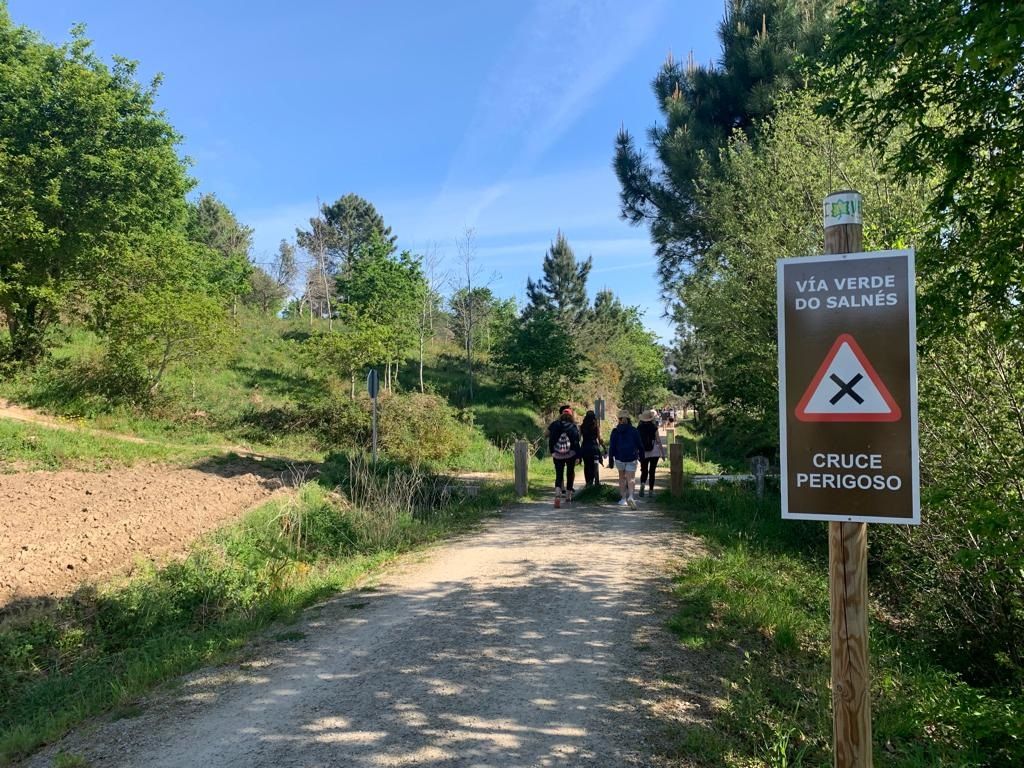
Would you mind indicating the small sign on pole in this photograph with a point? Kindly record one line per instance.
(373, 387)
(599, 408)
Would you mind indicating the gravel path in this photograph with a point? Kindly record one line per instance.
(538, 641)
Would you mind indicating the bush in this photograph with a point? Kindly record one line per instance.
(420, 428)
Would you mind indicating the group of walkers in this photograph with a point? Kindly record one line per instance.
(629, 447)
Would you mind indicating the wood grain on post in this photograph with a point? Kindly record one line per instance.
(522, 456)
(675, 460)
(848, 563)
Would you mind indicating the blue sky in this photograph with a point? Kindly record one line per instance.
(499, 116)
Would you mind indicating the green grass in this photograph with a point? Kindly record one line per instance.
(759, 607)
(99, 649)
(25, 447)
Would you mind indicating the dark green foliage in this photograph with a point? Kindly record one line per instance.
(562, 291)
(756, 609)
(941, 82)
(212, 224)
(344, 228)
(87, 166)
(960, 576)
(703, 106)
(540, 359)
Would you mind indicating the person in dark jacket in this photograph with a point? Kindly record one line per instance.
(592, 447)
(625, 450)
(564, 444)
(654, 450)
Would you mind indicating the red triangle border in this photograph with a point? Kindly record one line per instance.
(895, 413)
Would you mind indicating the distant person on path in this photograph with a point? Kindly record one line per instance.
(625, 450)
(592, 447)
(564, 444)
(654, 449)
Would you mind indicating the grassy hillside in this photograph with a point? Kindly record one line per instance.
(268, 396)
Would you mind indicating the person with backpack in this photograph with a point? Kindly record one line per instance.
(592, 447)
(654, 449)
(564, 444)
(625, 450)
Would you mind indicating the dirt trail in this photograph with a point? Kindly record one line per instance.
(538, 642)
(9, 410)
(58, 529)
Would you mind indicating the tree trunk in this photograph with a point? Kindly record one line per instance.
(26, 326)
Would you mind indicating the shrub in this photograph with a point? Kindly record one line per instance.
(420, 428)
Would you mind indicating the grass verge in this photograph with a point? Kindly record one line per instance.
(759, 605)
(25, 447)
(98, 649)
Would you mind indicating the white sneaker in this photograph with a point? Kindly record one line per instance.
(622, 502)
(632, 502)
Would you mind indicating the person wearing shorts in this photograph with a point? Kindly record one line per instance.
(625, 450)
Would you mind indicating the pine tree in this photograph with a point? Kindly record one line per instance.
(563, 289)
(703, 106)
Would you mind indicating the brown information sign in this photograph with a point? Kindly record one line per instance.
(848, 388)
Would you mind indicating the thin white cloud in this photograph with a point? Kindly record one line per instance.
(562, 54)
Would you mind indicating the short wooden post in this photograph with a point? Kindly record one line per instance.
(760, 464)
(848, 584)
(670, 436)
(675, 460)
(522, 455)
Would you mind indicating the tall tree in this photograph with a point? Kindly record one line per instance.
(343, 228)
(942, 81)
(540, 360)
(88, 166)
(284, 268)
(388, 290)
(563, 288)
(466, 283)
(212, 224)
(702, 106)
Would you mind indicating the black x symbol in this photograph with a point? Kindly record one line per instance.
(846, 388)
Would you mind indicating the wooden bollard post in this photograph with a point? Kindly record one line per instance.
(522, 456)
(670, 436)
(675, 460)
(848, 592)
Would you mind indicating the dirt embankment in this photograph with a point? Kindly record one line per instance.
(59, 529)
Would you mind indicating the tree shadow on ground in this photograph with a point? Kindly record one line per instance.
(527, 661)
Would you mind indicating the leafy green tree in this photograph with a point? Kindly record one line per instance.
(489, 314)
(167, 311)
(563, 288)
(265, 293)
(387, 290)
(624, 359)
(345, 353)
(88, 167)
(540, 361)
(702, 107)
(343, 229)
(212, 223)
(942, 82)
(763, 202)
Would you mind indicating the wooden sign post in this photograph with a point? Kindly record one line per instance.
(848, 583)
(848, 430)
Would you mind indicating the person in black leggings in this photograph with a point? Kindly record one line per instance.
(592, 447)
(653, 449)
(564, 444)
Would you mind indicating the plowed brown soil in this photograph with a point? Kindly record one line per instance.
(60, 529)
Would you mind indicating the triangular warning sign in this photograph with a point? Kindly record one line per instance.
(847, 388)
